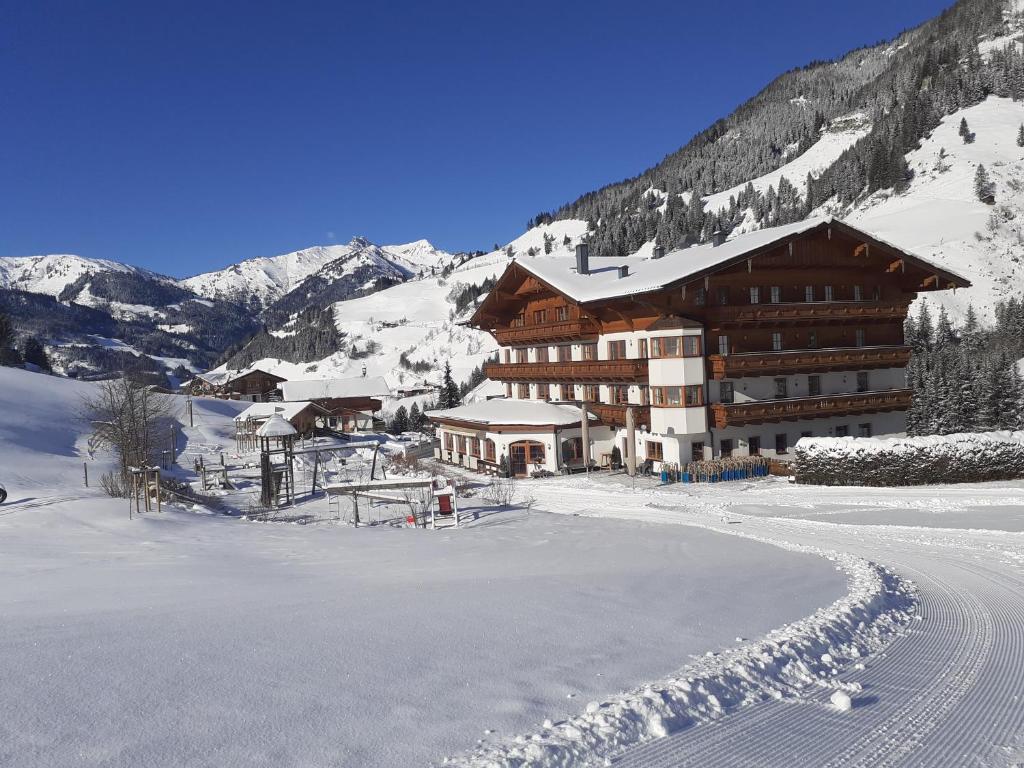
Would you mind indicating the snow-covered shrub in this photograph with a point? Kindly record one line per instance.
(958, 458)
(501, 491)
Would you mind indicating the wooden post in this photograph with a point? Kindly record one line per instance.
(355, 510)
(158, 491)
(85, 469)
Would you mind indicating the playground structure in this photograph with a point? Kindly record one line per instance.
(276, 439)
(429, 505)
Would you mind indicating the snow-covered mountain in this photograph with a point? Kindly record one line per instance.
(53, 273)
(261, 281)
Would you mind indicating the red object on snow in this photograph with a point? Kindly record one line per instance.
(444, 504)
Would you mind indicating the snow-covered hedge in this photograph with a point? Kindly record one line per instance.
(960, 458)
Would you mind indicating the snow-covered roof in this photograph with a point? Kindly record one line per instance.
(526, 412)
(317, 389)
(649, 274)
(288, 411)
(276, 426)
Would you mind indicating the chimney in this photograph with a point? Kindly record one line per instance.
(717, 238)
(623, 271)
(659, 251)
(582, 259)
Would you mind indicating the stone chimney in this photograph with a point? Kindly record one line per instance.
(583, 259)
(717, 238)
(623, 271)
(659, 252)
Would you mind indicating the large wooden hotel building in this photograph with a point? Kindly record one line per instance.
(732, 348)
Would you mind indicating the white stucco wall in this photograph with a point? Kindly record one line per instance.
(840, 382)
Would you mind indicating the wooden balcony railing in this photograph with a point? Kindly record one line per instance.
(817, 313)
(807, 361)
(565, 330)
(570, 372)
(615, 415)
(825, 406)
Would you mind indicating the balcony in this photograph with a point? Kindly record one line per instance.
(615, 415)
(810, 313)
(570, 372)
(761, 411)
(807, 361)
(565, 330)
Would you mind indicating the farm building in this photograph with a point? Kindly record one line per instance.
(351, 403)
(253, 384)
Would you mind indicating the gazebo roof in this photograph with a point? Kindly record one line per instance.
(276, 426)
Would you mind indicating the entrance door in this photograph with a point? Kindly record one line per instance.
(517, 459)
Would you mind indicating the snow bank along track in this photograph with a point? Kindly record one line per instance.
(948, 690)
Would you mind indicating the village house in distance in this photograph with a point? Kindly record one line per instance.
(734, 348)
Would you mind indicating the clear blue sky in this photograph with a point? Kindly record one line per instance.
(185, 136)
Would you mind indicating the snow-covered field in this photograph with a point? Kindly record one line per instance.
(189, 638)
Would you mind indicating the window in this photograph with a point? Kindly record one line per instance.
(508, 355)
(536, 453)
(864, 430)
(776, 340)
(808, 293)
(522, 356)
(617, 350)
(523, 391)
(858, 293)
(726, 448)
(863, 381)
(723, 296)
(541, 353)
(591, 393)
(645, 395)
(641, 349)
(694, 394)
(448, 441)
(588, 351)
(813, 385)
(812, 339)
(461, 442)
(726, 391)
(697, 450)
(861, 338)
(723, 345)
(701, 298)
(561, 314)
(781, 388)
(676, 346)
(876, 293)
(564, 353)
(829, 293)
(572, 449)
(474, 446)
(620, 394)
(755, 294)
(543, 392)
(776, 294)
(508, 390)
(842, 431)
(655, 451)
(519, 320)
(489, 450)
(540, 316)
(754, 445)
(781, 444)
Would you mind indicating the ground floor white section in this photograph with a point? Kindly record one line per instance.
(526, 452)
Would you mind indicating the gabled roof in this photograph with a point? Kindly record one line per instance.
(520, 412)
(286, 410)
(276, 426)
(323, 389)
(685, 264)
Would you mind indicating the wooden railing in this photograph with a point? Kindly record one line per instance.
(808, 312)
(570, 372)
(807, 361)
(825, 406)
(615, 415)
(565, 330)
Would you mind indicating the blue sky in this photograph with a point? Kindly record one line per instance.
(185, 136)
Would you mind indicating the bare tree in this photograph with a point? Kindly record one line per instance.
(127, 417)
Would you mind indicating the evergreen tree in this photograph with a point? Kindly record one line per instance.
(449, 397)
(416, 418)
(983, 186)
(400, 421)
(6, 338)
(34, 353)
(944, 335)
(965, 132)
(1020, 136)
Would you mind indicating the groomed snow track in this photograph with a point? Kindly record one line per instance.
(947, 691)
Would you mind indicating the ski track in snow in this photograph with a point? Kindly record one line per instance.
(945, 692)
